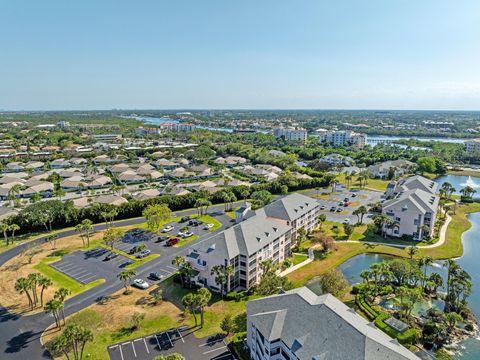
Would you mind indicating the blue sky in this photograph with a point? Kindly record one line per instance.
(375, 54)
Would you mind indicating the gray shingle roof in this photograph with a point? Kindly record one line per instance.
(422, 200)
(321, 327)
(290, 207)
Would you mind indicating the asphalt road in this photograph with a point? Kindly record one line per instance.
(20, 335)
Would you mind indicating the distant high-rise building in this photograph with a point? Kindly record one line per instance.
(343, 137)
(472, 146)
(291, 134)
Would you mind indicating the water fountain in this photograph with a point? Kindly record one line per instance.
(470, 183)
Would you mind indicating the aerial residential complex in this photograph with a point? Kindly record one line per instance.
(267, 233)
(412, 204)
(301, 325)
(342, 137)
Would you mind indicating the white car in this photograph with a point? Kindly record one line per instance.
(141, 284)
(208, 226)
(181, 233)
(167, 228)
(187, 234)
(346, 221)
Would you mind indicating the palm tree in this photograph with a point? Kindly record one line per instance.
(190, 303)
(204, 296)
(13, 228)
(23, 286)
(53, 307)
(220, 277)
(13, 192)
(125, 276)
(4, 227)
(425, 262)
(321, 219)
(44, 283)
(179, 261)
(334, 184)
(62, 294)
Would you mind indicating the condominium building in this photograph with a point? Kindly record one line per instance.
(301, 325)
(343, 137)
(267, 233)
(472, 146)
(412, 206)
(291, 134)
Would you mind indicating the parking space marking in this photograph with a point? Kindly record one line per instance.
(145, 342)
(171, 267)
(226, 356)
(65, 266)
(171, 343)
(133, 347)
(77, 273)
(87, 277)
(181, 337)
(158, 342)
(210, 351)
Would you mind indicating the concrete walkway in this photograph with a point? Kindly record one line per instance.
(440, 242)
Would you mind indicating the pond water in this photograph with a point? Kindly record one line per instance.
(459, 182)
(470, 349)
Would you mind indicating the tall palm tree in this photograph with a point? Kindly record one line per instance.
(13, 192)
(425, 262)
(23, 286)
(204, 296)
(44, 283)
(179, 261)
(125, 276)
(54, 307)
(13, 228)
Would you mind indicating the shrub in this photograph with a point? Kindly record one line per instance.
(358, 289)
(469, 327)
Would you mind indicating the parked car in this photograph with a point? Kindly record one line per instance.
(353, 195)
(143, 253)
(181, 233)
(172, 241)
(346, 199)
(333, 208)
(208, 226)
(187, 234)
(155, 276)
(340, 204)
(339, 209)
(345, 204)
(346, 221)
(110, 256)
(322, 207)
(167, 228)
(195, 222)
(184, 219)
(141, 284)
(161, 239)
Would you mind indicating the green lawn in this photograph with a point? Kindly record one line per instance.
(62, 280)
(298, 258)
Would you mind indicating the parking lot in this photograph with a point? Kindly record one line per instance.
(362, 198)
(180, 340)
(88, 266)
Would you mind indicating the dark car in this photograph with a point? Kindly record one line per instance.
(353, 195)
(333, 208)
(185, 219)
(172, 241)
(110, 256)
(155, 276)
(161, 239)
(133, 250)
(195, 222)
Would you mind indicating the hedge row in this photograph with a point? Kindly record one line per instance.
(366, 308)
(407, 337)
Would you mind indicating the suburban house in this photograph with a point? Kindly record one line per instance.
(395, 167)
(267, 233)
(412, 205)
(336, 160)
(301, 325)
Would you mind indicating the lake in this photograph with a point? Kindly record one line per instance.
(459, 182)
(470, 349)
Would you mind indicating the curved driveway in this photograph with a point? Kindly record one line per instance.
(20, 335)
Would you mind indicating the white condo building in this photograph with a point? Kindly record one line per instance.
(472, 145)
(291, 134)
(267, 233)
(413, 206)
(343, 137)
